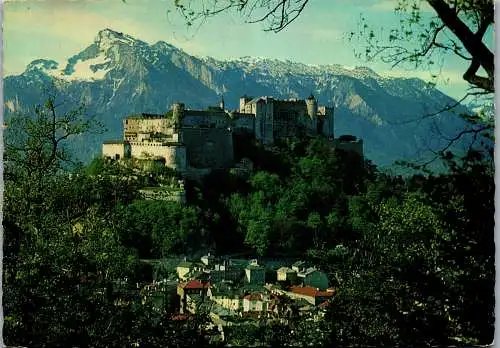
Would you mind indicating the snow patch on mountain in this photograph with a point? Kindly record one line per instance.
(86, 70)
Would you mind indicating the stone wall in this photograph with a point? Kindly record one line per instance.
(289, 117)
(208, 147)
(328, 117)
(354, 146)
(163, 194)
(244, 122)
(147, 125)
(209, 118)
(114, 150)
(174, 154)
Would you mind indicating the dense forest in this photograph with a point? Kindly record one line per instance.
(412, 258)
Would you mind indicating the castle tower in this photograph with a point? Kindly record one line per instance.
(312, 112)
(221, 105)
(178, 113)
(243, 100)
(330, 115)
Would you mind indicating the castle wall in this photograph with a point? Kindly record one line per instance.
(331, 122)
(174, 154)
(268, 118)
(243, 121)
(114, 150)
(355, 146)
(289, 116)
(264, 116)
(243, 103)
(146, 125)
(208, 147)
(259, 122)
(162, 194)
(179, 160)
(216, 118)
(312, 111)
(327, 114)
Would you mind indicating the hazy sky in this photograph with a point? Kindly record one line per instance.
(58, 29)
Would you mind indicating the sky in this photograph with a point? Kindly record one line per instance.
(59, 29)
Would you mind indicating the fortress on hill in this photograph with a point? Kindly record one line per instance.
(194, 140)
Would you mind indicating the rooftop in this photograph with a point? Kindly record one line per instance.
(307, 271)
(194, 284)
(310, 291)
(299, 264)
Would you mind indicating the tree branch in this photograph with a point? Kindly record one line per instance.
(471, 41)
(440, 111)
(452, 141)
(478, 81)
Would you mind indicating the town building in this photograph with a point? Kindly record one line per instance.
(314, 278)
(255, 273)
(312, 295)
(256, 302)
(286, 274)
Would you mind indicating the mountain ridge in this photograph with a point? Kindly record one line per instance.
(117, 75)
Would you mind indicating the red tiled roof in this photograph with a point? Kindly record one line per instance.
(310, 291)
(195, 284)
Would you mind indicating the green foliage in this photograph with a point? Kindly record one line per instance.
(281, 211)
(412, 259)
(158, 228)
(64, 254)
(405, 279)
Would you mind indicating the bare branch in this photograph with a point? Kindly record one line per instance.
(271, 12)
(474, 131)
(440, 111)
(455, 49)
(278, 13)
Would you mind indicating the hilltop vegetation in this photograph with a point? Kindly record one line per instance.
(412, 258)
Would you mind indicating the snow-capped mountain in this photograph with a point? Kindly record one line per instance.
(118, 75)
